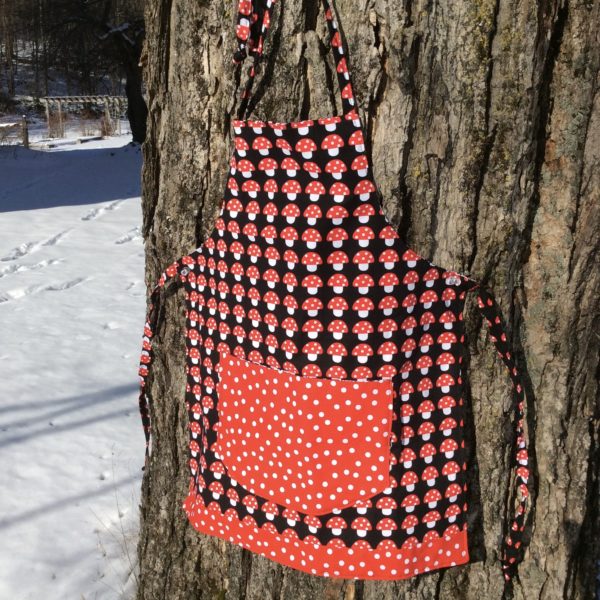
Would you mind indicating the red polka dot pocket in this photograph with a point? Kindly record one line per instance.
(310, 444)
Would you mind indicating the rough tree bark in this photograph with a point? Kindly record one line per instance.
(484, 119)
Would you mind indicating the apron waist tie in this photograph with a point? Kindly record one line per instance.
(146, 356)
(511, 543)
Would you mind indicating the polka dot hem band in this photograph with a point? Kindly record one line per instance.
(334, 559)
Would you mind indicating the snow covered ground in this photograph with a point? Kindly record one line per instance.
(75, 127)
(72, 301)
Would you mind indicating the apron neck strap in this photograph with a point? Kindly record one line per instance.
(512, 543)
(176, 271)
(253, 21)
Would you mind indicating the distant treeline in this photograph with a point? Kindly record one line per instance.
(81, 47)
(81, 43)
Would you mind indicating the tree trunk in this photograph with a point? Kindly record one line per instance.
(7, 21)
(137, 111)
(484, 127)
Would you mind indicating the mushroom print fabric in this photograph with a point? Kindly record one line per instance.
(324, 359)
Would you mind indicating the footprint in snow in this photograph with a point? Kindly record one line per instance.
(67, 285)
(27, 248)
(20, 268)
(18, 293)
(97, 212)
(130, 236)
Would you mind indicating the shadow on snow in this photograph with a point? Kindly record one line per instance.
(32, 179)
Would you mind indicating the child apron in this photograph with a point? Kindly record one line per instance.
(323, 359)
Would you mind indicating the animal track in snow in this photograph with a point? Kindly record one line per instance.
(59, 287)
(132, 234)
(19, 268)
(97, 212)
(27, 248)
(55, 239)
(18, 293)
(23, 250)
(136, 288)
(11, 295)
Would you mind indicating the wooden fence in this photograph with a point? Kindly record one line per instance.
(15, 131)
(114, 106)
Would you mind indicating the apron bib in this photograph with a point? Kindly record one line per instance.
(324, 359)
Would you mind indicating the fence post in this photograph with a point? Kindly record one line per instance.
(25, 132)
(107, 118)
(47, 105)
(118, 111)
(61, 126)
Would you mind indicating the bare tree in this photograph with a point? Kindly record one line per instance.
(484, 127)
(7, 43)
(84, 42)
(105, 32)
